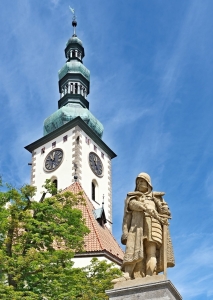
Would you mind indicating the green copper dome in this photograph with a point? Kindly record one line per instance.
(74, 40)
(70, 112)
(74, 67)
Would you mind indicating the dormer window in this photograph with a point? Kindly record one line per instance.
(100, 216)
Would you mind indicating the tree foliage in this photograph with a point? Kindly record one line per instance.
(37, 244)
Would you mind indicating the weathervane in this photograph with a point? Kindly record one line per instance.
(74, 22)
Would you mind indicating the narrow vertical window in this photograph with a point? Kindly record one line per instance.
(42, 150)
(93, 191)
(77, 140)
(87, 141)
(95, 148)
(102, 154)
(53, 144)
(65, 138)
(55, 182)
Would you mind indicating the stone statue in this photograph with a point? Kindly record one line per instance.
(145, 232)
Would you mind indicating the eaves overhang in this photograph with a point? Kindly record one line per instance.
(75, 122)
(104, 253)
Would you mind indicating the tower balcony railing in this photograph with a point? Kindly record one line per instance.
(73, 88)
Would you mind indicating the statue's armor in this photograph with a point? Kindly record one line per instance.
(152, 227)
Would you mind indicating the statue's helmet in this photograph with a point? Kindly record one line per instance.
(147, 178)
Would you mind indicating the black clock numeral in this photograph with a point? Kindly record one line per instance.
(48, 166)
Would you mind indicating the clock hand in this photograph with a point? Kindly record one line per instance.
(95, 160)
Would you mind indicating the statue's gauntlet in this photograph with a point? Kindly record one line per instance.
(135, 205)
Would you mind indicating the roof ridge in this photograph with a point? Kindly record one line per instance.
(91, 216)
(94, 222)
(100, 237)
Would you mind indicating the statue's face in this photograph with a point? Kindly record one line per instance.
(142, 185)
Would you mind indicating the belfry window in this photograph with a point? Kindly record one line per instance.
(93, 191)
(76, 88)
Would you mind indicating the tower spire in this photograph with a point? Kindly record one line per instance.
(74, 22)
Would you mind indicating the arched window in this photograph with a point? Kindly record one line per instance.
(73, 53)
(55, 182)
(93, 191)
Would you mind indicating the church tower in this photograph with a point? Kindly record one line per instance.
(71, 149)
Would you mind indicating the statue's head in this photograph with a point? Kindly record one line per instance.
(143, 183)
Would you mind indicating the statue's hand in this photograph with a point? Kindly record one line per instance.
(164, 221)
(164, 210)
(154, 213)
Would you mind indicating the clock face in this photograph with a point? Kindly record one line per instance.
(53, 160)
(96, 164)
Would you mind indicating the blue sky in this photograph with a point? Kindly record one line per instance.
(151, 66)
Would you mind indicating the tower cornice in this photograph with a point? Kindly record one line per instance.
(76, 122)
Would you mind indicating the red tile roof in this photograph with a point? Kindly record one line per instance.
(100, 239)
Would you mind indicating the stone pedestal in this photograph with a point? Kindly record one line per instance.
(149, 288)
